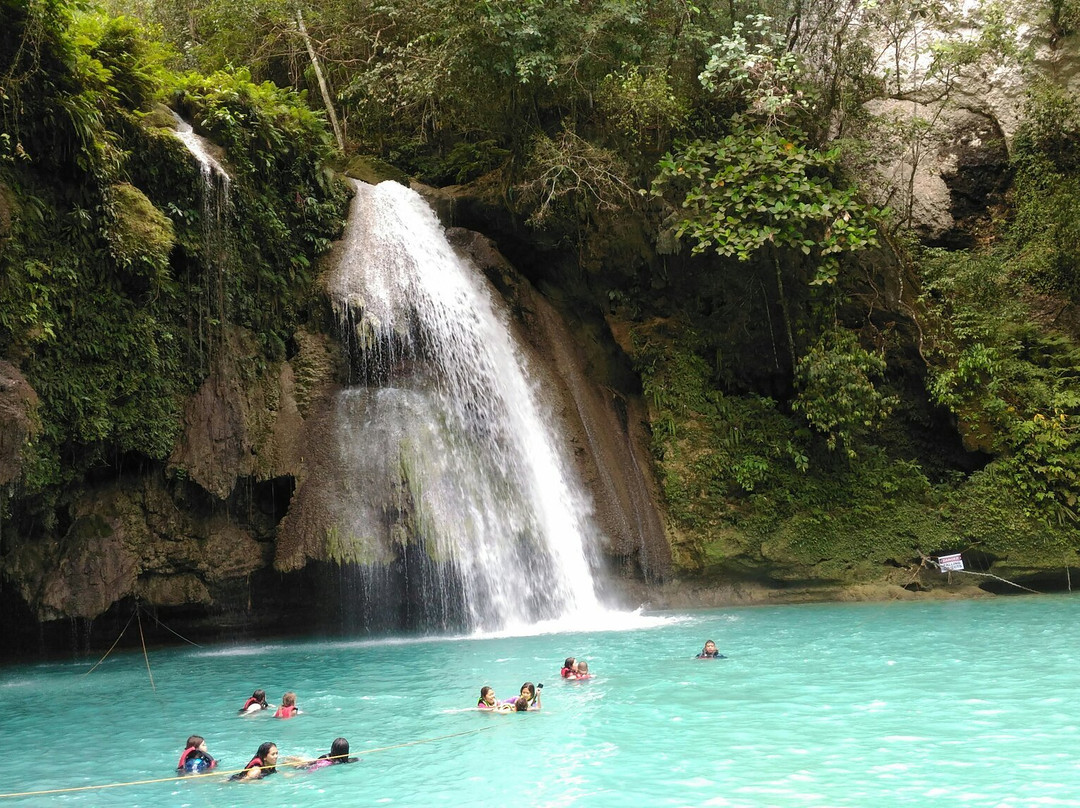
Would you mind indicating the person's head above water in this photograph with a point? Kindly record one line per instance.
(487, 697)
(339, 750)
(528, 690)
(583, 667)
(288, 700)
(196, 742)
(256, 701)
(521, 705)
(569, 663)
(710, 647)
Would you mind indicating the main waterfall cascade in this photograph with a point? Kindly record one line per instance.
(442, 433)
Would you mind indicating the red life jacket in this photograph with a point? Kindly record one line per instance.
(285, 712)
(195, 752)
(248, 703)
(185, 756)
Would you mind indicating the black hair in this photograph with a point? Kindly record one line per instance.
(339, 751)
(263, 751)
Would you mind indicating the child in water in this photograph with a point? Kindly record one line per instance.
(288, 706)
(339, 753)
(582, 668)
(256, 703)
(569, 667)
(195, 759)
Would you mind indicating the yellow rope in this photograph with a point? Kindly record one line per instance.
(233, 771)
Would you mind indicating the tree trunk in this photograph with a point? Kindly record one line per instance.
(786, 313)
(323, 88)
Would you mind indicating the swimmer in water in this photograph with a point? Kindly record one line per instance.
(195, 759)
(262, 765)
(256, 703)
(710, 651)
(339, 753)
(530, 693)
(288, 706)
(582, 670)
(569, 667)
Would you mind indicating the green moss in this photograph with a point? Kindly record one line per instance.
(140, 236)
(373, 170)
(349, 549)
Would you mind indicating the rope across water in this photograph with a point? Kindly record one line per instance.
(189, 777)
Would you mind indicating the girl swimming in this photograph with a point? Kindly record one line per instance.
(531, 694)
(256, 703)
(288, 706)
(195, 759)
(262, 765)
(339, 753)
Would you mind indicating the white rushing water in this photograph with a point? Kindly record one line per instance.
(195, 144)
(445, 403)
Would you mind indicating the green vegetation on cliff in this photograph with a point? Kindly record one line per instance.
(828, 398)
(110, 301)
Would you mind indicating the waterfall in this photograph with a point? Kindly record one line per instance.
(216, 230)
(449, 452)
(197, 146)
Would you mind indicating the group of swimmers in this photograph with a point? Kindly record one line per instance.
(528, 698)
(196, 758)
(257, 702)
(574, 669)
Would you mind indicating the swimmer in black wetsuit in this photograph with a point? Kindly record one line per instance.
(710, 651)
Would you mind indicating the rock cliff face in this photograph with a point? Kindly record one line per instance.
(189, 534)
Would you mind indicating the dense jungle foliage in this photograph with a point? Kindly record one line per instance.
(113, 301)
(695, 172)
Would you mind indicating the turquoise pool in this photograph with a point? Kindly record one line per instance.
(958, 703)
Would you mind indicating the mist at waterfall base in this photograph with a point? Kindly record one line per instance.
(451, 479)
(960, 702)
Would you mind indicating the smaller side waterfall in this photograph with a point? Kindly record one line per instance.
(443, 436)
(216, 228)
(197, 146)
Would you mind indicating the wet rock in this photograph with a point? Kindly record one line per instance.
(18, 402)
